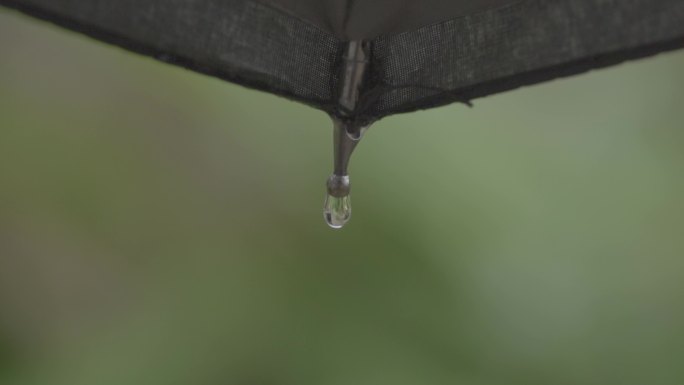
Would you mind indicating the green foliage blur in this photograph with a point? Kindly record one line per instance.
(160, 227)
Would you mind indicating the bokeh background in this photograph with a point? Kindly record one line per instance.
(162, 227)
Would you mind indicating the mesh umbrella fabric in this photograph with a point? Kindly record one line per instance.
(438, 53)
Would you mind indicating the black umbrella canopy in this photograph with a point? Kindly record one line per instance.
(366, 19)
(363, 60)
(420, 53)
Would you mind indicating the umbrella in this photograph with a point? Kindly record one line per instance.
(360, 61)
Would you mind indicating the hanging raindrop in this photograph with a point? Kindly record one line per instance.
(337, 211)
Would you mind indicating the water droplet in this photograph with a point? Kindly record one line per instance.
(337, 211)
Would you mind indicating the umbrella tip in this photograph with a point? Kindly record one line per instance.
(347, 132)
(337, 210)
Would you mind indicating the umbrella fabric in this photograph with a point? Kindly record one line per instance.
(422, 53)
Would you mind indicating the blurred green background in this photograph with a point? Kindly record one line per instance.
(162, 227)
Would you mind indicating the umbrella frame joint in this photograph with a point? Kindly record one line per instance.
(352, 77)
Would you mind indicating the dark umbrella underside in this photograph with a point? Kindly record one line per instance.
(297, 52)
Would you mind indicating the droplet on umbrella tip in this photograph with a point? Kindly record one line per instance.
(337, 211)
